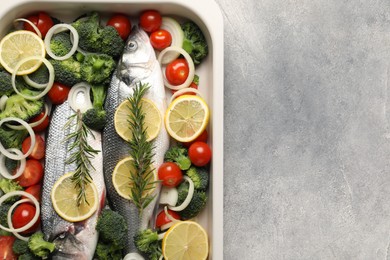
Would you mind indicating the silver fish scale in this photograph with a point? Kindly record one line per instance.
(55, 166)
(137, 65)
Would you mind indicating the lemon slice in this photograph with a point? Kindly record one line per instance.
(19, 45)
(186, 118)
(185, 240)
(152, 120)
(122, 182)
(64, 199)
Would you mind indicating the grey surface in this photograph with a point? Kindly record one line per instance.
(307, 129)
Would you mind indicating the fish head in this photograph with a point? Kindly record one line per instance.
(138, 56)
(76, 242)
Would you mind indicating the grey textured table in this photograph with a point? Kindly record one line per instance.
(307, 129)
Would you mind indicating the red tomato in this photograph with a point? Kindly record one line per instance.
(34, 190)
(42, 20)
(58, 93)
(6, 252)
(43, 125)
(202, 138)
(150, 20)
(23, 214)
(32, 174)
(170, 174)
(160, 39)
(199, 153)
(162, 218)
(177, 71)
(122, 24)
(39, 149)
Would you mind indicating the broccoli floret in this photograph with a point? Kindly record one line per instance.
(3, 217)
(60, 44)
(107, 252)
(97, 38)
(7, 185)
(112, 228)
(6, 83)
(20, 247)
(147, 242)
(199, 176)
(28, 256)
(97, 68)
(39, 246)
(67, 72)
(10, 138)
(197, 203)
(194, 42)
(179, 155)
(41, 75)
(95, 118)
(18, 106)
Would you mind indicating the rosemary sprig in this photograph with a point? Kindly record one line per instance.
(141, 150)
(81, 155)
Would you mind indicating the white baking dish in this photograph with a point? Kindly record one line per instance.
(207, 15)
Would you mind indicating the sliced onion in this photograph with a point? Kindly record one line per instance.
(30, 23)
(49, 84)
(188, 199)
(9, 219)
(168, 196)
(185, 90)
(133, 256)
(191, 67)
(33, 83)
(60, 28)
(174, 28)
(32, 221)
(79, 97)
(33, 124)
(3, 101)
(3, 169)
(30, 131)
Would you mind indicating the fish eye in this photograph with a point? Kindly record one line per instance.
(132, 45)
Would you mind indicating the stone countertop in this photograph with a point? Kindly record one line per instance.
(307, 129)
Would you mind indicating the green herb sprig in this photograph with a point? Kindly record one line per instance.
(141, 150)
(82, 154)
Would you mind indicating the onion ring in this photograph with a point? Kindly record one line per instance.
(9, 219)
(3, 102)
(57, 29)
(188, 199)
(3, 169)
(80, 89)
(184, 90)
(30, 23)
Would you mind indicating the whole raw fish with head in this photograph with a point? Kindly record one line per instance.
(138, 64)
(73, 240)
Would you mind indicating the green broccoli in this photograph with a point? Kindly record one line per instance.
(179, 155)
(4, 207)
(112, 228)
(197, 203)
(20, 247)
(6, 83)
(10, 138)
(41, 75)
(67, 72)
(28, 256)
(7, 185)
(60, 44)
(18, 106)
(107, 252)
(147, 241)
(39, 246)
(97, 68)
(97, 38)
(199, 176)
(194, 42)
(95, 118)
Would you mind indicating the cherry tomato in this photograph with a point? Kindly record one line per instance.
(34, 190)
(199, 153)
(177, 71)
(39, 149)
(201, 138)
(160, 39)
(32, 174)
(170, 174)
(23, 214)
(6, 252)
(162, 218)
(150, 20)
(43, 125)
(42, 20)
(122, 24)
(58, 93)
